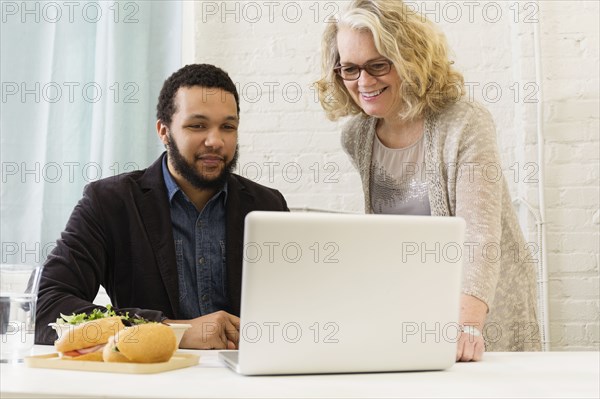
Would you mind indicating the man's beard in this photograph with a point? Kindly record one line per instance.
(189, 172)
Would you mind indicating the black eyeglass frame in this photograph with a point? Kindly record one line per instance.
(364, 67)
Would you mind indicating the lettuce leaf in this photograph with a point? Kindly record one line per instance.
(99, 314)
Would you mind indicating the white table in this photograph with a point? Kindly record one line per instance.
(535, 375)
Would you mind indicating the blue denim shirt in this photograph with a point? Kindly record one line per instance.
(199, 250)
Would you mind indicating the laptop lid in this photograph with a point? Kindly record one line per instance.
(331, 293)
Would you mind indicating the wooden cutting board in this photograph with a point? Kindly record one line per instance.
(52, 361)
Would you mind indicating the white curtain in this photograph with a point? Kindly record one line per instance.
(80, 82)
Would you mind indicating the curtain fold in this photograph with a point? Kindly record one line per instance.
(79, 92)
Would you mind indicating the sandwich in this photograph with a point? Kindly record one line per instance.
(143, 343)
(85, 341)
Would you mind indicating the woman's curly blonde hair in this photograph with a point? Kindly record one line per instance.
(416, 47)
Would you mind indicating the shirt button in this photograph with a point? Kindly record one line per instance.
(205, 298)
(201, 260)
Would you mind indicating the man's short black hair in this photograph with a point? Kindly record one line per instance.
(204, 75)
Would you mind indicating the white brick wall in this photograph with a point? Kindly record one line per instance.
(571, 87)
(271, 49)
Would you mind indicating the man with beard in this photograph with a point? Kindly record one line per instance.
(166, 242)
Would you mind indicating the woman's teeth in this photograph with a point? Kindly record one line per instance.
(372, 93)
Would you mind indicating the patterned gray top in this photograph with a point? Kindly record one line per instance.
(398, 184)
(460, 148)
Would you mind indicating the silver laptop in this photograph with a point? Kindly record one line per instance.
(339, 293)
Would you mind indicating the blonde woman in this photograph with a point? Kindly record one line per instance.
(421, 148)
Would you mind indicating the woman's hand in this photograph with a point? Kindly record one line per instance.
(471, 346)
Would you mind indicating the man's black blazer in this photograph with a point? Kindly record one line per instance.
(120, 236)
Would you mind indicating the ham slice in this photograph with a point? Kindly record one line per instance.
(84, 351)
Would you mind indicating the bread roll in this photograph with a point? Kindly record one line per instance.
(89, 334)
(110, 353)
(92, 357)
(143, 343)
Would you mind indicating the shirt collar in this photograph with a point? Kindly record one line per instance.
(173, 187)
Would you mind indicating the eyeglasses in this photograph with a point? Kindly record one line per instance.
(374, 68)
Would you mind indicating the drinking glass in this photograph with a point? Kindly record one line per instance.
(19, 285)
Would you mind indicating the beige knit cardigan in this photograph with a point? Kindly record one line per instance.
(465, 179)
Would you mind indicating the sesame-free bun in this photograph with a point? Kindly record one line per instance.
(91, 357)
(110, 354)
(142, 343)
(89, 334)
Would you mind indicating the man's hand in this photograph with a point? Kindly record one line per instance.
(470, 347)
(219, 330)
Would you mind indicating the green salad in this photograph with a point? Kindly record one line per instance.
(99, 314)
